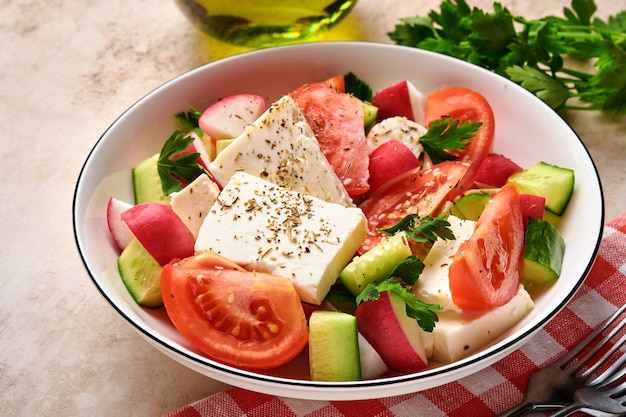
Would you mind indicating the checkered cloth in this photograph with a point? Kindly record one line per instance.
(484, 393)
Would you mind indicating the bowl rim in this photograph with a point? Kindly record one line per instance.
(365, 385)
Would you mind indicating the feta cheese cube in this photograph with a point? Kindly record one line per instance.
(193, 202)
(459, 334)
(267, 228)
(433, 286)
(397, 128)
(281, 148)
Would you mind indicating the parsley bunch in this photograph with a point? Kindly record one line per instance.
(542, 55)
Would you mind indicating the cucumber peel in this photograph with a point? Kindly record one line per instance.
(334, 347)
(370, 112)
(470, 206)
(554, 183)
(147, 183)
(543, 253)
(141, 274)
(376, 265)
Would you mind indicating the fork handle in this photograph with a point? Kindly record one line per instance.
(524, 408)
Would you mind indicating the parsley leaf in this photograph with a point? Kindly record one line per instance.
(542, 85)
(425, 229)
(409, 270)
(357, 87)
(189, 120)
(423, 312)
(173, 168)
(533, 52)
(444, 135)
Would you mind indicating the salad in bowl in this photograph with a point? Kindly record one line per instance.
(338, 221)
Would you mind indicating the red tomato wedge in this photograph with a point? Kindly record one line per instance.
(421, 191)
(244, 319)
(337, 121)
(465, 105)
(337, 82)
(486, 270)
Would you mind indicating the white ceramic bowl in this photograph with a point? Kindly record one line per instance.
(526, 130)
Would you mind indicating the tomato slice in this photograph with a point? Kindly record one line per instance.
(240, 318)
(338, 82)
(465, 105)
(421, 191)
(337, 122)
(486, 270)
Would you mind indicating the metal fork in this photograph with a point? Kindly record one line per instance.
(603, 397)
(553, 386)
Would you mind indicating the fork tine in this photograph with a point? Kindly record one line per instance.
(568, 357)
(618, 391)
(615, 377)
(610, 374)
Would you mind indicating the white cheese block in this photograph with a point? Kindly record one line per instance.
(280, 147)
(397, 128)
(458, 335)
(269, 229)
(433, 285)
(193, 202)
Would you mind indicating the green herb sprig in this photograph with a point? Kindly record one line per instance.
(423, 312)
(188, 120)
(426, 229)
(444, 135)
(173, 168)
(543, 55)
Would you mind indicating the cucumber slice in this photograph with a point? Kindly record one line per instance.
(554, 183)
(376, 265)
(141, 274)
(543, 253)
(333, 347)
(369, 114)
(221, 144)
(209, 145)
(147, 183)
(470, 206)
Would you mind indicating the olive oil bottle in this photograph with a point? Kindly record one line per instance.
(264, 23)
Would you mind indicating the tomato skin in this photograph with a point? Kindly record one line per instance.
(338, 82)
(421, 191)
(336, 119)
(532, 206)
(243, 319)
(465, 105)
(486, 270)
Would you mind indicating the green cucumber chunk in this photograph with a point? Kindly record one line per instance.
(147, 183)
(470, 206)
(554, 183)
(221, 144)
(334, 347)
(369, 114)
(543, 253)
(376, 265)
(141, 274)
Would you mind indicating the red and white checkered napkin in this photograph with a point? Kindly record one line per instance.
(484, 393)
